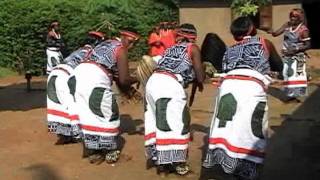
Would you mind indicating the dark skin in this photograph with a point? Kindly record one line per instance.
(196, 62)
(197, 66)
(53, 33)
(55, 30)
(274, 59)
(124, 80)
(294, 23)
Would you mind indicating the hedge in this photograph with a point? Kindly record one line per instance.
(24, 25)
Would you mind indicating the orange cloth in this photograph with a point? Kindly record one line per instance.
(156, 45)
(168, 37)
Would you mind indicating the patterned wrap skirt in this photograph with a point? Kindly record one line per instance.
(237, 138)
(97, 107)
(295, 75)
(167, 120)
(61, 119)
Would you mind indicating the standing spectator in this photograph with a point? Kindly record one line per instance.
(296, 41)
(54, 45)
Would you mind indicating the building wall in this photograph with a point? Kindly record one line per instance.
(218, 20)
(207, 20)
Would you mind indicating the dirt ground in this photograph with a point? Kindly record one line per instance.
(27, 150)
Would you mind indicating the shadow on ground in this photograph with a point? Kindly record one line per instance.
(130, 126)
(293, 151)
(16, 97)
(42, 172)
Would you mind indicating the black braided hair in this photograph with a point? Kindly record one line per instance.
(187, 29)
(240, 27)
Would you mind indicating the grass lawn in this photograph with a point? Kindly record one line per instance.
(4, 72)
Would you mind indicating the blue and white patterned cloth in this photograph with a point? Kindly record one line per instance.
(249, 53)
(177, 60)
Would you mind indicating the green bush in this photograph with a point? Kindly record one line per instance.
(24, 25)
(247, 7)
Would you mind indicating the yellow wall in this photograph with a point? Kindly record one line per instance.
(207, 20)
(218, 20)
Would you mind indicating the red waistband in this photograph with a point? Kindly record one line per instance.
(247, 78)
(62, 69)
(167, 73)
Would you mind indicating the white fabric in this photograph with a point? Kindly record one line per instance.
(296, 76)
(156, 58)
(164, 86)
(88, 77)
(237, 132)
(63, 94)
(53, 54)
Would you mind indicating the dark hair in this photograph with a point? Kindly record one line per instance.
(240, 27)
(301, 14)
(51, 25)
(212, 50)
(186, 30)
(93, 40)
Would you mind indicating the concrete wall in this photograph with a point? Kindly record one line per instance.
(218, 20)
(207, 20)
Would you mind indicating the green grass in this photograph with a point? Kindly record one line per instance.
(4, 72)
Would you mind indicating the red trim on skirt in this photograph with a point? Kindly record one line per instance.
(99, 129)
(295, 82)
(235, 149)
(166, 141)
(149, 136)
(62, 114)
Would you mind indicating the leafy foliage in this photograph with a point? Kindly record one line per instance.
(24, 25)
(247, 7)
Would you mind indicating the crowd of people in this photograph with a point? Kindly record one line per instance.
(81, 105)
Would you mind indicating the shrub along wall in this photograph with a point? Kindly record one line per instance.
(24, 25)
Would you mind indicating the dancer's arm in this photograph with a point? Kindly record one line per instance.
(279, 31)
(275, 60)
(197, 65)
(124, 79)
(306, 43)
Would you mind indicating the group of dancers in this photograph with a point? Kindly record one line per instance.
(81, 104)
